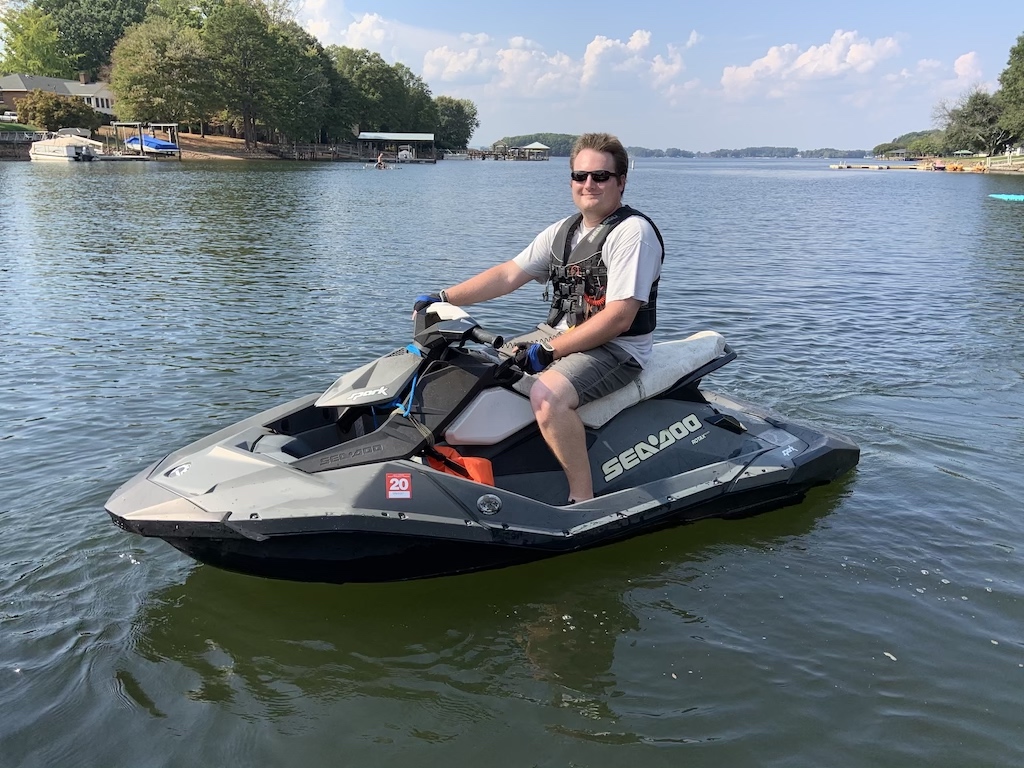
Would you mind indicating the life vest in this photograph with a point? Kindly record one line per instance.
(579, 276)
(446, 459)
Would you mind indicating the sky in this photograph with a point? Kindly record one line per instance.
(692, 75)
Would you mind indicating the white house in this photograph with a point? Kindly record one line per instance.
(96, 95)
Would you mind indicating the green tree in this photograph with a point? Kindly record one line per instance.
(161, 73)
(560, 143)
(925, 146)
(31, 44)
(300, 89)
(973, 122)
(416, 109)
(1011, 93)
(237, 36)
(184, 13)
(384, 97)
(886, 148)
(51, 111)
(456, 122)
(89, 29)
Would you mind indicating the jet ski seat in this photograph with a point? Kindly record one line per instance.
(671, 361)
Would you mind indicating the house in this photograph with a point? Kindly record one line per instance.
(96, 95)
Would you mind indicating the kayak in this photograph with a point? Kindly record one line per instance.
(1014, 198)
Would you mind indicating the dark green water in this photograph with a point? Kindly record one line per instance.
(878, 623)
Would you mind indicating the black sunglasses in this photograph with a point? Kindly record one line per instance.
(599, 176)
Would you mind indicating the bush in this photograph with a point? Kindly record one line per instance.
(51, 111)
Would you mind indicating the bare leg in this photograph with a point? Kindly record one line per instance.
(554, 402)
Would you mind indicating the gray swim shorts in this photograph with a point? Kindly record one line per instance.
(597, 372)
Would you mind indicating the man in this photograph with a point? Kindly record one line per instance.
(604, 264)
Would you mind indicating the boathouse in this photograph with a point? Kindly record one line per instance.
(398, 147)
(534, 151)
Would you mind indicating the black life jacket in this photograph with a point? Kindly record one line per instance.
(579, 276)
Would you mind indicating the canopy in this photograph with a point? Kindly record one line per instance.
(152, 143)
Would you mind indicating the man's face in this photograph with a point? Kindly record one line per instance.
(596, 200)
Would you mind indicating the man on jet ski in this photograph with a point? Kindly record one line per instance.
(604, 264)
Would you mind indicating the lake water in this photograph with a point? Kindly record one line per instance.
(878, 623)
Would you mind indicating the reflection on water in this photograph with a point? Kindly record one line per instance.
(459, 651)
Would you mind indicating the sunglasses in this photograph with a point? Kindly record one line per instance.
(599, 176)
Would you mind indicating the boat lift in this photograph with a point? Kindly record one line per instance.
(125, 132)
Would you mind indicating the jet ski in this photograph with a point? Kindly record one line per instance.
(428, 461)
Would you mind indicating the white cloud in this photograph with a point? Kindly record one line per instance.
(665, 69)
(967, 67)
(784, 67)
(447, 65)
(371, 31)
(693, 39)
(604, 55)
(476, 40)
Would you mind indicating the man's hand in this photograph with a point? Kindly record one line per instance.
(534, 358)
(424, 300)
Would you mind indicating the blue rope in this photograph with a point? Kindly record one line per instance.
(413, 350)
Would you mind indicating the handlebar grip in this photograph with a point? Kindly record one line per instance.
(486, 337)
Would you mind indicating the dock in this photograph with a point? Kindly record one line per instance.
(851, 166)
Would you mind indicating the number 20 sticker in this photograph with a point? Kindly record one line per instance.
(399, 485)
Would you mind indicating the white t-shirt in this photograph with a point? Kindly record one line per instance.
(632, 255)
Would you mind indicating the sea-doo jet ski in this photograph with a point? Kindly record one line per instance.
(428, 461)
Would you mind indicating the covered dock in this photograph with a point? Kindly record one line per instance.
(397, 147)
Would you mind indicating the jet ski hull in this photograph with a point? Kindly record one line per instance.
(454, 477)
(350, 556)
(442, 532)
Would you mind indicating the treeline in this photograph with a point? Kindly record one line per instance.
(245, 67)
(977, 122)
(560, 143)
(846, 154)
(561, 146)
(753, 152)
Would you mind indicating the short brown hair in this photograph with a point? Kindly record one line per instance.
(602, 142)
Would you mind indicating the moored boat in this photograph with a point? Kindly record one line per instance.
(62, 149)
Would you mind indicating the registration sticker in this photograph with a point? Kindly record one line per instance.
(399, 485)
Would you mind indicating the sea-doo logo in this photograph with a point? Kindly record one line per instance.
(382, 391)
(337, 458)
(631, 457)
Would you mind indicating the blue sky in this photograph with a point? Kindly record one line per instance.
(697, 76)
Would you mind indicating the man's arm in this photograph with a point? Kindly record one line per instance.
(496, 281)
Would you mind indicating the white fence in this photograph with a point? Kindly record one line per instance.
(23, 137)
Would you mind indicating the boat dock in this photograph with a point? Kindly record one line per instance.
(851, 166)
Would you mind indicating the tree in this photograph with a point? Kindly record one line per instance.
(300, 88)
(161, 73)
(1011, 93)
(184, 13)
(886, 148)
(973, 122)
(385, 98)
(416, 109)
(31, 44)
(456, 122)
(926, 146)
(89, 29)
(238, 37)
(50, 111)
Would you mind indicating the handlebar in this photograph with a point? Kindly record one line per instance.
(486, 337)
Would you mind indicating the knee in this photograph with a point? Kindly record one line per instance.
(546, 403)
